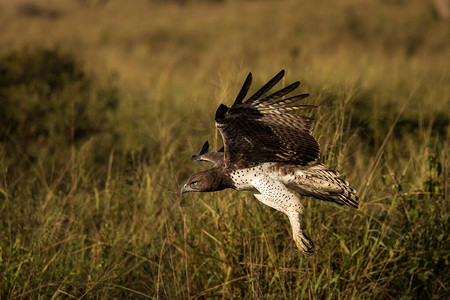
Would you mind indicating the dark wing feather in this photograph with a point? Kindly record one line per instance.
(266, 87)
(264, 130)
(244, 90)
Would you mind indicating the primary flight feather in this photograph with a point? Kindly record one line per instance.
(267, 150)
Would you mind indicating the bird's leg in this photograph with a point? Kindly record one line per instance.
(302, 241)
(278, 196)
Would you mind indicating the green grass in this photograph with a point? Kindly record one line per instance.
(103, 103)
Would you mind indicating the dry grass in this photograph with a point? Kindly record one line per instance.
(96, 135)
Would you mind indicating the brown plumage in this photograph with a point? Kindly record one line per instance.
(264, 130)
(267, 150)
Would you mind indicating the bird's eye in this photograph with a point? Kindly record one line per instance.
(194, 183)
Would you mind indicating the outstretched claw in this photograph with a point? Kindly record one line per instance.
(302, 241)
(305, 244)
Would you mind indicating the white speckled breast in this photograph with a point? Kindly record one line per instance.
(242, 178)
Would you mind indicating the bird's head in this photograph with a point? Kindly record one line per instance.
(206, 181)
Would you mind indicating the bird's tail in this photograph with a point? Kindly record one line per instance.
(318, 182)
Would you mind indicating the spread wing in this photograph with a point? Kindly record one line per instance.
(263, 129)
(214, 157)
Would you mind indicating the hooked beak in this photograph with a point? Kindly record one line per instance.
(183, 200)
(183, 190)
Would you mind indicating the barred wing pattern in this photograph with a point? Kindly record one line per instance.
(264, 129)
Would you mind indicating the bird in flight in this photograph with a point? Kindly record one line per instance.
(269, 151)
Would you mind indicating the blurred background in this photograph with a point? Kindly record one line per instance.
(103, 102)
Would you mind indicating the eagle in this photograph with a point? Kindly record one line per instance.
(270, 151)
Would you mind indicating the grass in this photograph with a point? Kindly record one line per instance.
(103, 103)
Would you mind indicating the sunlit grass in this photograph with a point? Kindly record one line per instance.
(103, 103)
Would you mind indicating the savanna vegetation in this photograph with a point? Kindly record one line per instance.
(102, 103)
